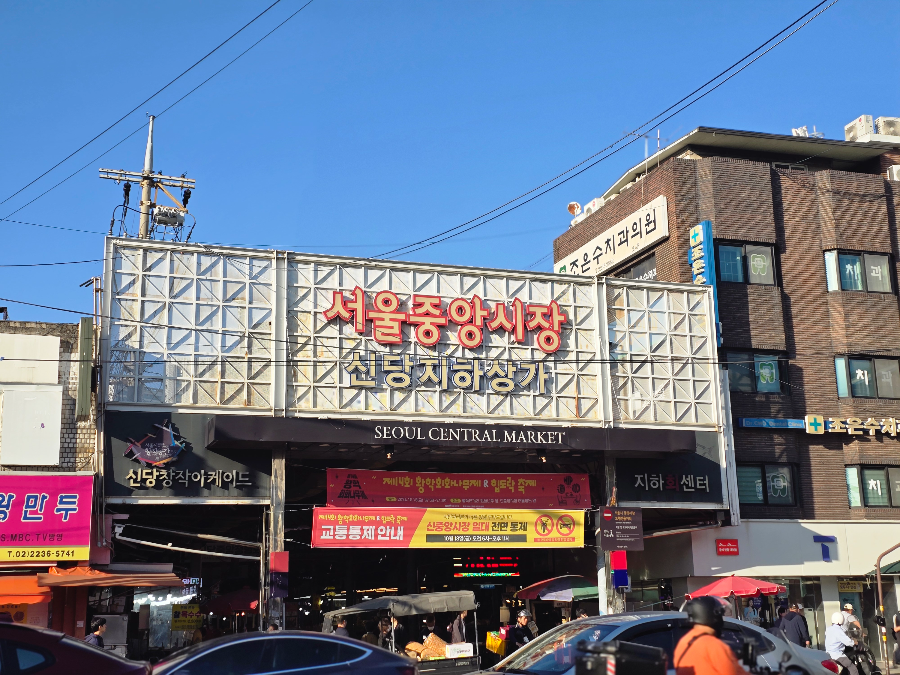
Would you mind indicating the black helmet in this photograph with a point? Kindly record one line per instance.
(706, 611)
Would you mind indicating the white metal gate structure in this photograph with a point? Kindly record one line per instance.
(249, 331)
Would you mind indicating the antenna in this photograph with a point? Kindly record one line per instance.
(168, 221)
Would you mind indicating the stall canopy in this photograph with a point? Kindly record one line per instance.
(243, 600)
(16, 590)
(407, 605)
(740, 587)
(88, 576)
(568, 588)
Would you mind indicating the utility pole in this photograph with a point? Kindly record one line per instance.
(152, 215)
(146, 185)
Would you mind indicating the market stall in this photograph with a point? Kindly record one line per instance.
(435, 655)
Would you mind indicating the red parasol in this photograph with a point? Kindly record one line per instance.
(740, 587)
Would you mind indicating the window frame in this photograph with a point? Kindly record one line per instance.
(762, 469)
(893, 503)
(848, 382)
(745, 264)
(780, 358)
(864, 279)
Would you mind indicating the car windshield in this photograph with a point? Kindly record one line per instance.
(554, 652)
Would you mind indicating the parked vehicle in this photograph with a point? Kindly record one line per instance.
(26, 649)
(554, 652)
(284, 652)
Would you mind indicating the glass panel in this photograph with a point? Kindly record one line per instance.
(832, 278)
(853, 497)
(242, 658)
(297, 653)
(760, 265)
(850, 267)
(887, 373)
(875, 487)
(554, 652)
(780, 484)
(644, 270)
(740, 371)
(840, 371)
(731, 263)
(750, 485)
(767, 379)
(862, 378)
(28, 658)
(878, 277)
(894, 480)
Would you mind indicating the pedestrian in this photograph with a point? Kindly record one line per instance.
(794, 626)
(458, 629)
(701, 651)
(341, 629)
(371, 635)
(776, 626)
(851, 622)
(582, 614)
(897, 638)
(428, 629)
(273, 628)
(384, 635)
(521, 634)
(95, 637)
(836, 641)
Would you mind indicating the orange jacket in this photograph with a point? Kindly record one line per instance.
(700, 652)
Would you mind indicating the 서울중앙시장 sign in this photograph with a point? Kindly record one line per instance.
(447, 528)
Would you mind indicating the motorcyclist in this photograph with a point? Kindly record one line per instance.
(701, 651)
(837, 641)
(521, 634)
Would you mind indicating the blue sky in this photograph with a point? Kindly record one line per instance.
(362, 125)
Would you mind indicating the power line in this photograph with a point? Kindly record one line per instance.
(635, 134)
(147, 100)
(142, 127)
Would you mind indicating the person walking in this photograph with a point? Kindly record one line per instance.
(701, 651)
(521, 634)
(836, 641)
(794, 626)
(458, 629)
(95, 637)
(897, 638)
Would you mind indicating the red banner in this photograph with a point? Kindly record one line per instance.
(354, 487)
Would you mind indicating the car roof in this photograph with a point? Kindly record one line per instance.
(23, 629)
(219, 641)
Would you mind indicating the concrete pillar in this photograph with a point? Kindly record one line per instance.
(831, 600)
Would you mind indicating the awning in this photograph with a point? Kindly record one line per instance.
(740, 587)
(568, 588)
(88, 576)
(15, 590)
(409, 605)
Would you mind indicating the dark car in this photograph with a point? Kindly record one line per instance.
(26, 649)
(284, 652)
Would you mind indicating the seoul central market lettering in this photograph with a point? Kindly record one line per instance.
(428, 316)
(466, 434)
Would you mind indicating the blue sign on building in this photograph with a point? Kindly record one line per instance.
(770, 423)
(702, 259)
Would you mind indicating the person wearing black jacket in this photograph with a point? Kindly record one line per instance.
(521, 634)
(794, 626)
(95, 637)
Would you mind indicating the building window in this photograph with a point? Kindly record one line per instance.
(747, 264)
(756, 373)
(848, 271)
(645, 270)
(878, 487)
(861, 377)
(768, 484)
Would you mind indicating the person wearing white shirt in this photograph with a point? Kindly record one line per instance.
(836, 641)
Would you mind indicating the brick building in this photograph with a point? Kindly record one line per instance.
(806, 272)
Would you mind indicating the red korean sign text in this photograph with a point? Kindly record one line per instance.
(427, 314)
(727, 547)
(349, 487)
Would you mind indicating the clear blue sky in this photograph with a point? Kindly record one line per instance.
(361, 125)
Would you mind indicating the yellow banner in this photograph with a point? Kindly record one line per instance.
(447, 528)
(186, 617)
(45, 553)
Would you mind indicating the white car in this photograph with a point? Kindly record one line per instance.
(554, 653)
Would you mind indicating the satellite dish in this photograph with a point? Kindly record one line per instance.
(574, 208)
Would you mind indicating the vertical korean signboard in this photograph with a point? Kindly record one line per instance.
(620, 529)
(702, 259)
(45, 516)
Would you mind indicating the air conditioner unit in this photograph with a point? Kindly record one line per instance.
(577, 219)
(888, 126)
(593, 205)
(894, 172)
(861, 126)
